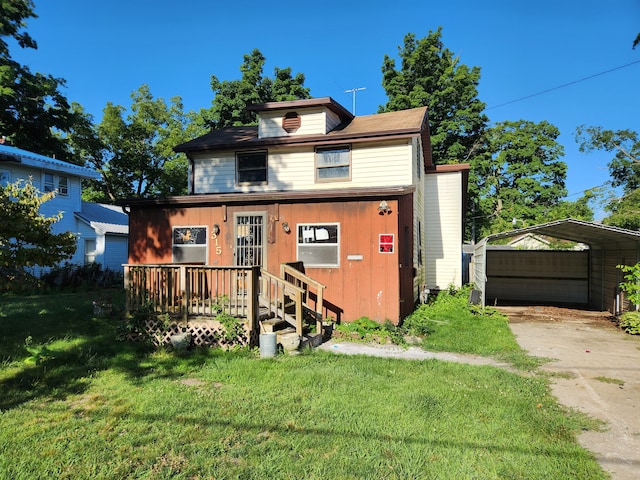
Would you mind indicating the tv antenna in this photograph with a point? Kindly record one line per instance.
(353, 91)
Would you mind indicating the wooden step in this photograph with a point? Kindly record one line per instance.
(264, 314)
(273, 324)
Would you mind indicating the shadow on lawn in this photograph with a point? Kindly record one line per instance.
(69, 369)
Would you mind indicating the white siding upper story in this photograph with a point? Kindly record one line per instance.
(443, 229)
(372, 165)
(313, 121)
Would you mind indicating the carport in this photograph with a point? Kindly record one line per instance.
(590, 278)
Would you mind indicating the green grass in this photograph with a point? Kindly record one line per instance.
(615, 381)
(94, 407)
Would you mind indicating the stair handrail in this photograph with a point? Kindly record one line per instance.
(305, 282)
(283, 289)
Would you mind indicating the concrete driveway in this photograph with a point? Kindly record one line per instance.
(597, 371)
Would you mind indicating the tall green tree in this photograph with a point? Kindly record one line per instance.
(134, 150)
(34, 114)
(522, 178)
(26, 238)
(624, 169)
(431, 75)
(229, 106)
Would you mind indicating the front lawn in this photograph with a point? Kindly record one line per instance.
(80, 404)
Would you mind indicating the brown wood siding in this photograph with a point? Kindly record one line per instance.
(371, 287)
(407, 259)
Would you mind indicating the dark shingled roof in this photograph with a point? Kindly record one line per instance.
(404, 123)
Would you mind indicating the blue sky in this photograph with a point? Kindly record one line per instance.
(106, 50)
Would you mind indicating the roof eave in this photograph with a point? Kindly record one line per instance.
(301, 140)
(266, 197)
(327, 102)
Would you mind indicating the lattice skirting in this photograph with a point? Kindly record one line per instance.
(209, 333)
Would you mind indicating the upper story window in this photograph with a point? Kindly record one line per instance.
(49, 186)
(56, 183)
(63, 186)
(251, 167)
(333, 163)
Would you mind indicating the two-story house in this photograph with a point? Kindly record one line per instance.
(101, 230)
(357, 200)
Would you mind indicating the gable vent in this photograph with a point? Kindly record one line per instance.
(291, 122)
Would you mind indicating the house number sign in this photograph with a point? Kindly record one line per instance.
(217, 246)
(385, 243)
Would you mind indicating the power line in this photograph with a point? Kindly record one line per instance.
(563, 85)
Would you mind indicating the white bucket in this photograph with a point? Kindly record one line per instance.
(267, 345)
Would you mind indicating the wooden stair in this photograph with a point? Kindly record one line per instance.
(283, 305)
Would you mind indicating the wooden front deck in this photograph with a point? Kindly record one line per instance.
(196, 294)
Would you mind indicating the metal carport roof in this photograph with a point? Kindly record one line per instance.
(593, 234)
(597, 236)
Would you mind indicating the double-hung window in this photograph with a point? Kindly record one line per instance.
(251, 168)
(333, 163)
(318, 244)
(49, 185)
(57, 183)
(63, 186)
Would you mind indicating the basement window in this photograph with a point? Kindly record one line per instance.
(318, 244)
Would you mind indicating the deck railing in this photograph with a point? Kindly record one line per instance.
(185, 291)
(281, 299)
(313, 291)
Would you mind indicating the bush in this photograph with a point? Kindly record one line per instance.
(362, 327)
(630, 322)
(16, 280)
(90, 275)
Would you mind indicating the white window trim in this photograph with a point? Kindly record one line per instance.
(45, 184)
(60, 192)
(186, 245)
(334, 179)
(54, 185)
(94, 252)
(320, 246)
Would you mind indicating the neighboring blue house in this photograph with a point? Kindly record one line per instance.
(101, 230)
